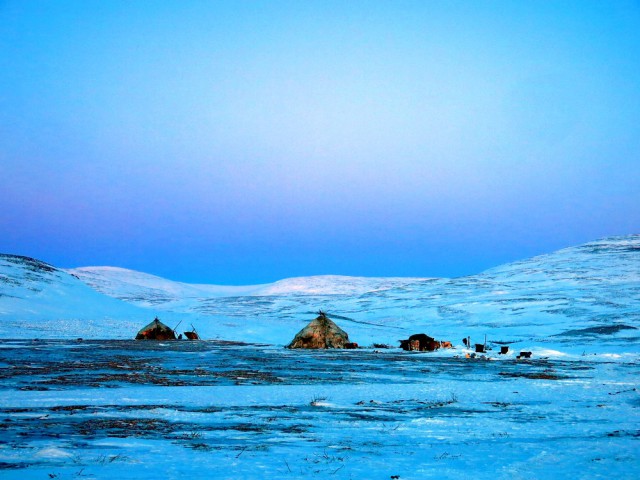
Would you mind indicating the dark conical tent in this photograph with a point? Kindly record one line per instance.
(320, 333)
(156, 330)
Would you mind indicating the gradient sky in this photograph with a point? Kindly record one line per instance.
(244, 142)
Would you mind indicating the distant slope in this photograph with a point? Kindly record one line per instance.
(145, 289)
(149, 290)
(584, 295)
(335, 285)
(40, 300)
(44, 290)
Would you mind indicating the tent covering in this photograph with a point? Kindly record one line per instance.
(321, 332)
(156, 330)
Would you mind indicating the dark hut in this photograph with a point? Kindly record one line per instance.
(320, 333)
(156, 330)
(192, 335)
(420, 342)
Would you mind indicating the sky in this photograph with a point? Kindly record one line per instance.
(244, 142)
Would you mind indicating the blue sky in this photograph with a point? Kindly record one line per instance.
(244, 142)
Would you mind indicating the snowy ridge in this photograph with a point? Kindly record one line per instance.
(555, 301)
(134, 286)
(334, 285)
(37, 299)
(146, 289)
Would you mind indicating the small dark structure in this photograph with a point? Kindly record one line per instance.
(156, 330)
(192, 335)
(321, 332)
(480, 348)
(524, 355)
(420, 342)
(504, 350)
(351, 346)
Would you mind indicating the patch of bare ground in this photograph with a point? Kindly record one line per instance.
(13, 466)
(546, 375)
(130, 427)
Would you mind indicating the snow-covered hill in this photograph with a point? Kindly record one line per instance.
(577, 297)
(145, 289)
(39, 300)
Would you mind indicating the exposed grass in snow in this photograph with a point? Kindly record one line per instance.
(352, 414)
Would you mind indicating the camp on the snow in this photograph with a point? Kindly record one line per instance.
(423, 343)
(322, 332)
(156, 330)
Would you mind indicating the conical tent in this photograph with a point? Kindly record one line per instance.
(320, 333)
(156, 330)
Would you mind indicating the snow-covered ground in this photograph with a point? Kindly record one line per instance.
(126, 409)
(108, 406)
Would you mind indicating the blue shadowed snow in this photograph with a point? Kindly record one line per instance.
(144, 409)
(108, 406)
